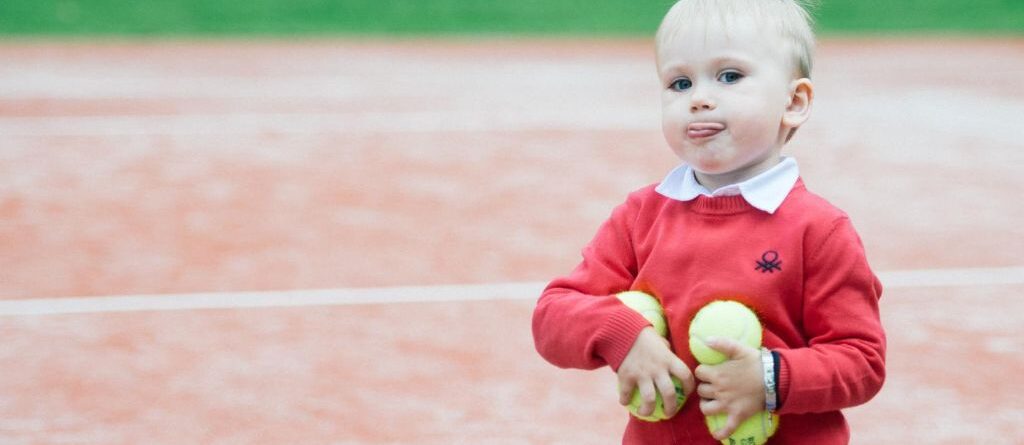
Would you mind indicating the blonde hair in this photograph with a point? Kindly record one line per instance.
(787, 17)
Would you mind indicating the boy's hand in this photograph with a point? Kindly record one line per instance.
(648, 367)
(735, 387)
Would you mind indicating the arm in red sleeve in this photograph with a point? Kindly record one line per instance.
(843, 364)
(578, 323)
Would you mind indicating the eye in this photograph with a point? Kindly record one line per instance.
(730, 77)
(681, 84)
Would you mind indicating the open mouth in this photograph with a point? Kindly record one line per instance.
(701, 130)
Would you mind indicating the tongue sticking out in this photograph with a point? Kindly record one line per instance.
(703, 129)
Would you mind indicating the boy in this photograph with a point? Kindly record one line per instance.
(733, 221)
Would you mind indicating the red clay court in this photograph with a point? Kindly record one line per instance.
(341, 242)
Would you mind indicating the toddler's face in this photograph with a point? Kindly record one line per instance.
(724, 96)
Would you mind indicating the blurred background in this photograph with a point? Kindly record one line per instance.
(392, 182)
(465, 17)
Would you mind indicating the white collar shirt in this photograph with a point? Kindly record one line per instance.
(766, 191)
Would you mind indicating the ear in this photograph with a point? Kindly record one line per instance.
(800, 98)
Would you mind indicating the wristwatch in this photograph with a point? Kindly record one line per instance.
(771, 397)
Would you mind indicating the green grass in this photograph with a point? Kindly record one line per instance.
(909, 16)
(434, 17)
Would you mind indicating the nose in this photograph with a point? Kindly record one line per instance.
(700, 100)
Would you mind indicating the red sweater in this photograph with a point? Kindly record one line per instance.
(802, 270)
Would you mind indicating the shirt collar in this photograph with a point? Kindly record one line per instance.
(765, 191)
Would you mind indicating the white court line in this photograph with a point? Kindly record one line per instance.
(411, 294)
(329, 123)
(952, 277)
(290, 298)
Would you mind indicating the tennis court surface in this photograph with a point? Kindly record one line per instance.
(341, 242)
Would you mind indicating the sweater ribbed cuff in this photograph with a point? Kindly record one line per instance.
(617, 336)
(782, 384)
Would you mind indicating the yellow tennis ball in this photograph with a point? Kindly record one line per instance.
(723, 319)
(659, 407)
(647, 306)
(754, 431)
(650, 309)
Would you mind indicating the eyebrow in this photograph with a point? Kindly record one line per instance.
(717, 62)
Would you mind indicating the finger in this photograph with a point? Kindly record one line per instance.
(647, 397)
(731, 348)
(709, 407)
(706, 391)
(704, 373)
(681, 372)
(729, 428)
(626, 392)
(667, 388)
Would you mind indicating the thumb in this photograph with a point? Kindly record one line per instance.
(731, 348)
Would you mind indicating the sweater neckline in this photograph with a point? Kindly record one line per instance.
(729, 205)
(721, 205)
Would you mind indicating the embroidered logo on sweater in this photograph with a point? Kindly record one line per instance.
(769, 263)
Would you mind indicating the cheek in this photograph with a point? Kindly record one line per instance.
(756, 120)
(672, 119)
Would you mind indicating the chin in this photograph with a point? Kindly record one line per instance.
(710, 168)
(707, 159)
